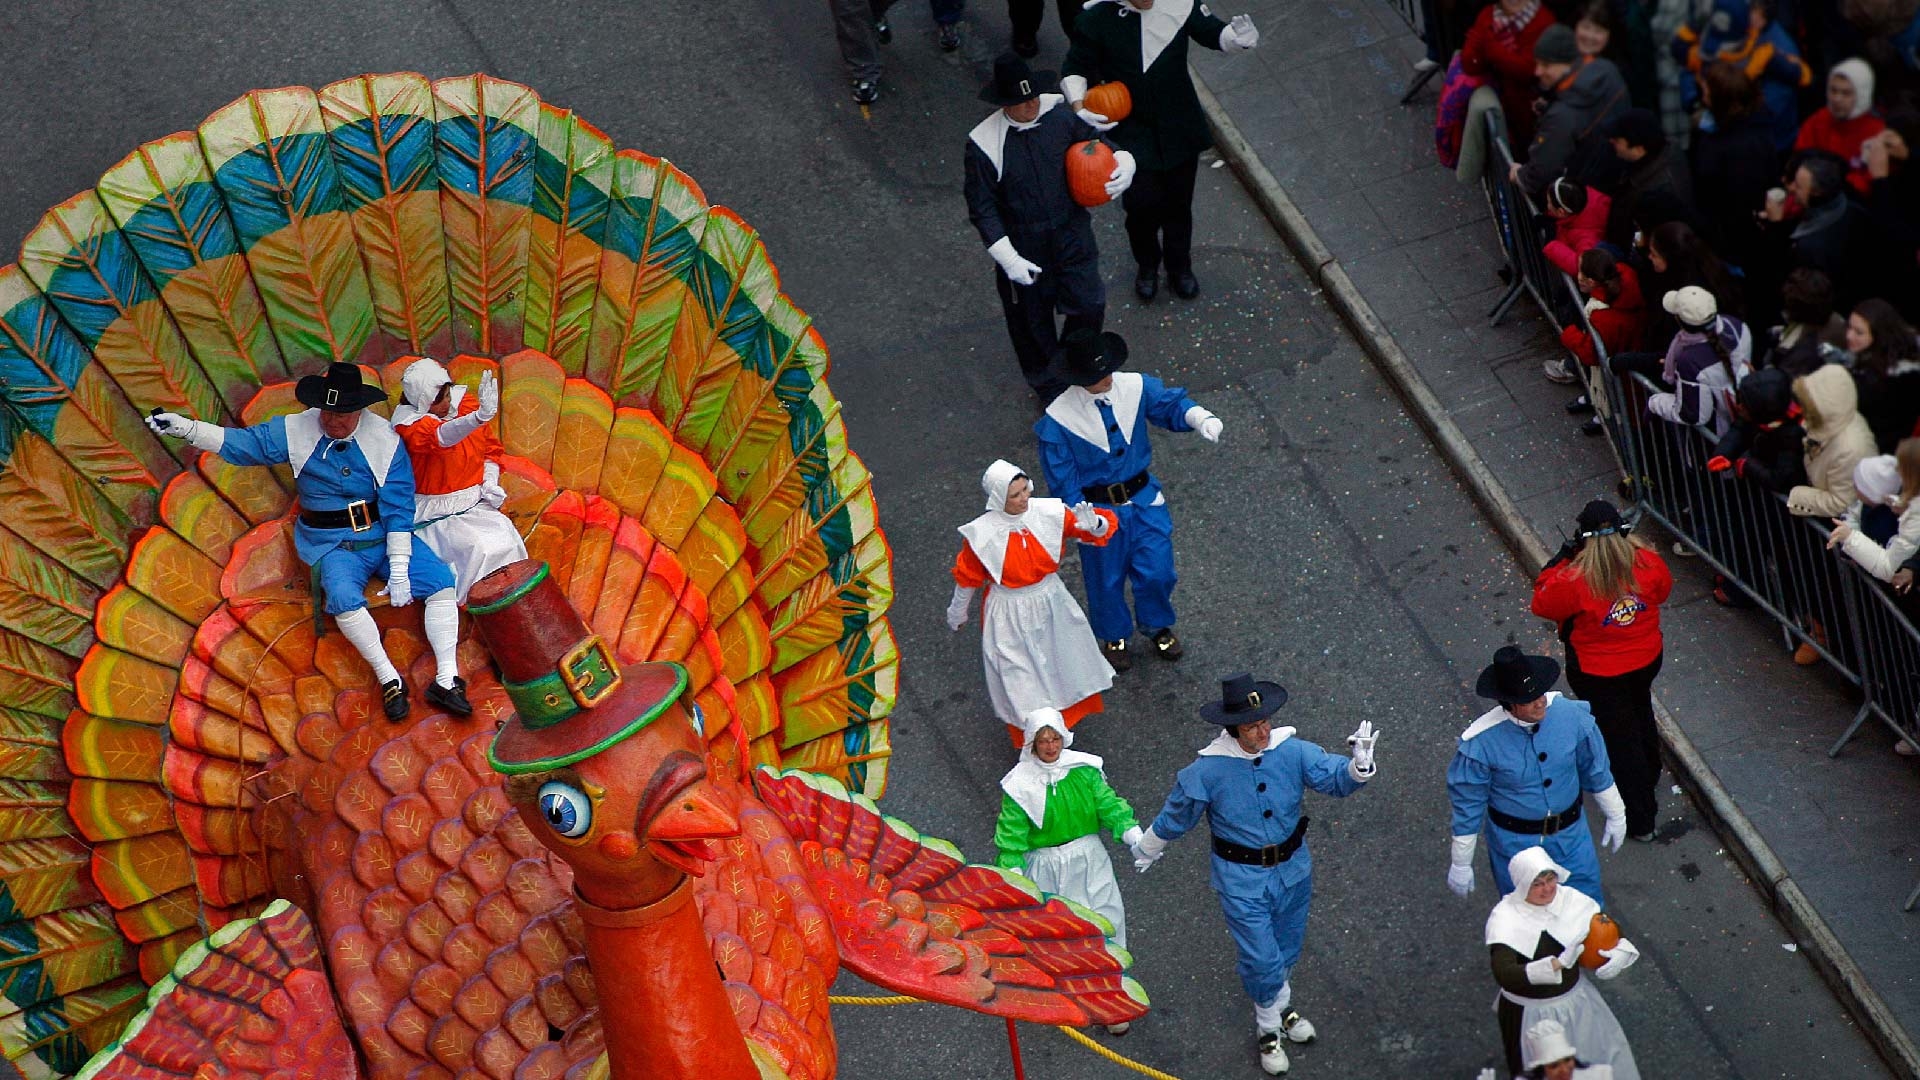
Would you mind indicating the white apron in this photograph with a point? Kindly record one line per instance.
(1038, 650)
(474, 542)
(1081, 871)
(1589, 1023)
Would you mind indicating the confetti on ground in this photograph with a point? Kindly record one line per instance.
(1791, 947)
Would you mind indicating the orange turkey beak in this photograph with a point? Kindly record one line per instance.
(682, 815)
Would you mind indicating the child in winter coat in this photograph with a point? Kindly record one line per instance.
(1766, 441)
(1744, 34)
(1882, 560)
(1616, 313)
(1837, 439)
(1579, 216)
(1707, 359)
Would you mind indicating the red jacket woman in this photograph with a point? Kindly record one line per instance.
(1615, 308)
(1499, 47)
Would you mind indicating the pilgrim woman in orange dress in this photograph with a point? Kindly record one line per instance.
(1037, 648)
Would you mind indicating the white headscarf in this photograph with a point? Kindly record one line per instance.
(987, 534)
(1029, 781)
(1856, 71)
(419, 385)
(1545, 1043)
(1877, 479)
(1518, 924)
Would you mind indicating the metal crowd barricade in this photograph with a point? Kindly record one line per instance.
(1745, 532)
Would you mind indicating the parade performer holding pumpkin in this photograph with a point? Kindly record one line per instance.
(1143, 44)
(456, 472)
(1249, 783)
(355, 485)
(1037, 648)
(1040, 237)
(1521, 773)
(1538, 937)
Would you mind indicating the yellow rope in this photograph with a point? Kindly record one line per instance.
(1116, 1057)
(1111, 1055)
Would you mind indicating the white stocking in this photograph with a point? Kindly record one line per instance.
(359, 628)
(442, 620)
(1266, 1017)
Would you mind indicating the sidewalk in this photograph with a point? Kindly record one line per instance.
(1318, 104)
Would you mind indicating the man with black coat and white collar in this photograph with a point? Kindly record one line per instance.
(1042, 241)
(1250, 783)
(1143, 44)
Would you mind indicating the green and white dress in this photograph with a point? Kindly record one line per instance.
(1051, 815)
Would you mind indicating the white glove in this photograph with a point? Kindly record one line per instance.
(1204, 422)
(1122, 178)
(1147, 850)
(1012, 263)
(1570, 956)
(1619, 959)
(1460, 879)
(1239, 35)
(1361, 743)
(1074, 89)
(957, 607)
(1487, 1074)
(1097, 122)
(209, 437)
(399, 588)
(1088, 518)
(1615, 808)
(491, 492)
(1132, 836)
(489, 398)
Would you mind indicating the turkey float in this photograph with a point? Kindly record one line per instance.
(218, 859)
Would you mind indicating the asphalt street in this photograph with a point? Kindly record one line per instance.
(1321, 543)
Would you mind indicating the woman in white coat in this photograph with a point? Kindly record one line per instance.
(1883, 481)
(1035, 643)
(1535, 935)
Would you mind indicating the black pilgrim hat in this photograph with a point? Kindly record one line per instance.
(1014, 82)
(1244, 699)
(1086, 356)
(1515, 678)
(339, 390)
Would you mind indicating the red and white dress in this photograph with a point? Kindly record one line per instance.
(1036, 646)
(468, 532)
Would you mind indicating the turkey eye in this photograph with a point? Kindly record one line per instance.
(699, 719)
(568, 812)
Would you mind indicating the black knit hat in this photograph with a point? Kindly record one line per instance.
(1556, 46)
(1639, 127)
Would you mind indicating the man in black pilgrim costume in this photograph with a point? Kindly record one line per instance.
(1249, 783)
(1042, 241)
(355, 485)
(1143, 43)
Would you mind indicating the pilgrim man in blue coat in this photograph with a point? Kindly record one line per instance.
(1249, 783)
(1094, 448)
(355, 484)
(1521, 772)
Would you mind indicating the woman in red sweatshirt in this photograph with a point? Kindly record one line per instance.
(1615, 311)
(1604, 589)
(1499, 47)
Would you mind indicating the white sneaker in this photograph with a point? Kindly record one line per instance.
(1297, 1028)
(1424, 65)
(1273, 1056)
(1119, 1029)
(1556, 371)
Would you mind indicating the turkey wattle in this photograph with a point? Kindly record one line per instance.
(216, 860)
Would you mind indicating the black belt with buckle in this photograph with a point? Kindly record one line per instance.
(1115, 494)
(357, 515)
(1544, 827)
(1271, 855)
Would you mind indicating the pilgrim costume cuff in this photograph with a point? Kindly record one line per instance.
(1540, 972)
(1150, 844)
(1612, 805)
(452, 431)
(1360, 775)
(1074, 88)
(490, 473)
(1131, 836)
(1463, 849)
(208, 437)
(1197, 416)
(1002, 250)
(400, 546)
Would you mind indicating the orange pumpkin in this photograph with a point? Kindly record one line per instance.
(1109, 99)
(1089, 166)
(1602, 933)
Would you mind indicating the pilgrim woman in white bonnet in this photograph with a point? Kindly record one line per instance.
(1037, 648)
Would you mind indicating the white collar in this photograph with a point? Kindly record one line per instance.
(990, 135)
(1158, 25)
(987, 534)
(1518, 924)
(1492, 717)
(1225, 745)
(374, 435)
(1074, 409)
(1028, 782)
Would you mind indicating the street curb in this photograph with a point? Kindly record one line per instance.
(1790, 904)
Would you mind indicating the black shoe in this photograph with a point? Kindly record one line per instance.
(1026, 48)
(883, 30)
(1184, 284)
(393, 699)
(949, 37)
(1593, 428)
(1116, 654)
(865, 91)
(451, 698)
(1580, 406)
(1146, 287)
(1166, 645)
